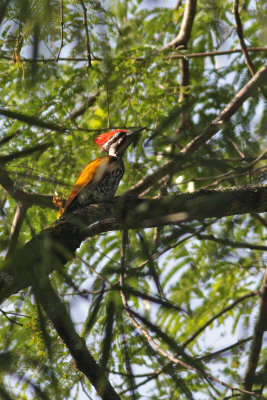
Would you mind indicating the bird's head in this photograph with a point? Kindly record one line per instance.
(116, 142)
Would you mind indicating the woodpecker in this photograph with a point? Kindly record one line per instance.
(100, 178)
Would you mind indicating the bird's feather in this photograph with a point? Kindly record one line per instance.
(90, 176)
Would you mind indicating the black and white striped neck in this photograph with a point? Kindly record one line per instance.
(117, 144)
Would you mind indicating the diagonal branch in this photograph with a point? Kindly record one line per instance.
(216, 316)
(241, 96)
(239, 30)
(174, 165)
(239, 343)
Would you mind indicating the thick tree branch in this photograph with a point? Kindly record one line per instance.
(173, 166)
(186, 26)
(57, 243)
(58, 315)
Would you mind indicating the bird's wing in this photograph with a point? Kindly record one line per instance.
(91, 174)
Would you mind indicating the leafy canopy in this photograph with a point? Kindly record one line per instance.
(70, 70)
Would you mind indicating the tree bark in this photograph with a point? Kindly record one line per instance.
(56, 244)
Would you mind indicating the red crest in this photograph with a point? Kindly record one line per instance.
(104, 137)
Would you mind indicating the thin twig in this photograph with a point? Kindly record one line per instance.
(129, 369)
(15, 229)
(214, 53)
(216, 125)
(225, 349)
(172, 57)
(256, 343)
(235, 146)
(240, 33)
(257, 159)
(182, 363)
(177, 5)
(101, 277)
(155, 345)
(173, 246)
(239, 30)
(229, 175)
(108, 102)
(221, 177)
(87, 40)
(10, 319)
(216, 316)
(61, 29)
(148, 379)
(260, 219)
(232, 243)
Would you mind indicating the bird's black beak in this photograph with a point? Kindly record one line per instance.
(135, 135)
